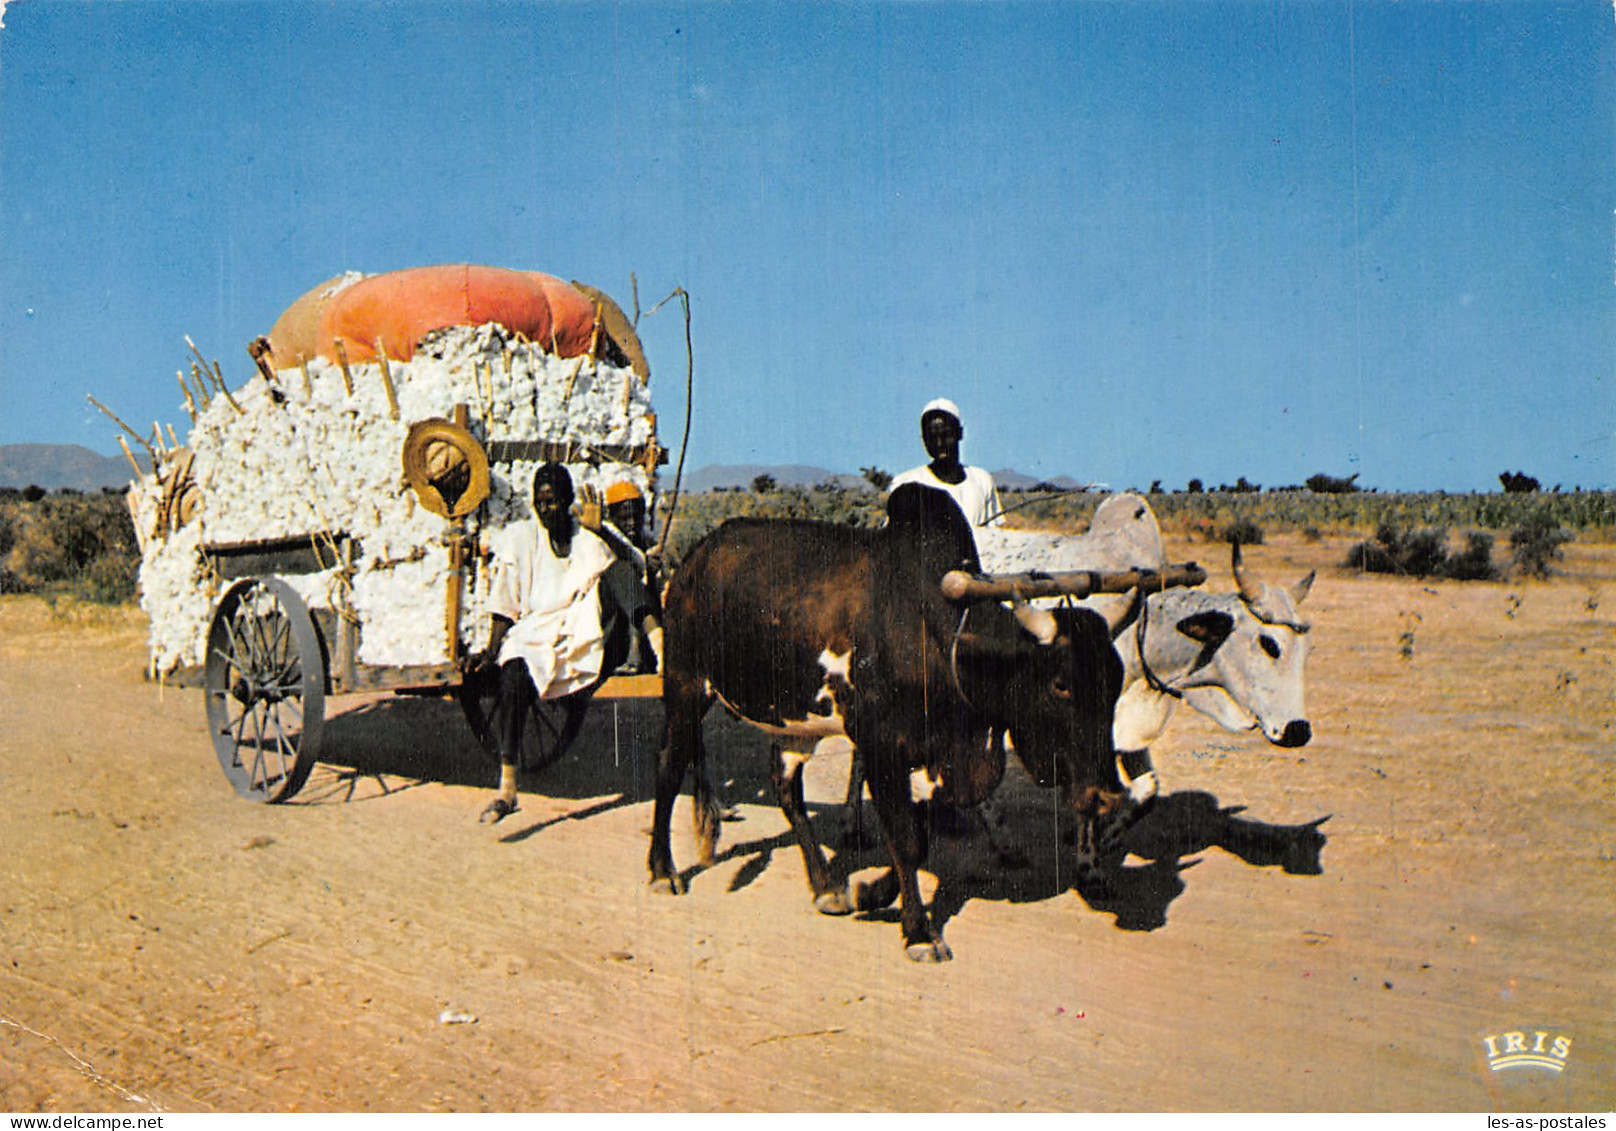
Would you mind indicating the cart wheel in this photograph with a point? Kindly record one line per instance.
(556, 722)
(265, 684)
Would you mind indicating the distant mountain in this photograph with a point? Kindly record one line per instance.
(727, 476)
(68, 465)
(61, 465)
(1009, 480)
(730, 476)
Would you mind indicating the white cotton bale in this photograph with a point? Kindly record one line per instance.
(297, 461)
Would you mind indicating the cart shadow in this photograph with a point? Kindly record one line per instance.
(402, 742)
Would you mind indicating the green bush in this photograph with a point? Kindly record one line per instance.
(1423, 553)
(1536, 545)
(1242, 530)
(68, 543)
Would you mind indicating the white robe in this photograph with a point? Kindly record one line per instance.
(553, 604)
(977, 495)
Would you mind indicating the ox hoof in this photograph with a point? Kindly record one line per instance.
(497, 810)
(1142, 790)
(1092, 884)
(833, 903)
(934, 951)
(668, 885)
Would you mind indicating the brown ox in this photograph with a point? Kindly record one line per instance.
(807, 630)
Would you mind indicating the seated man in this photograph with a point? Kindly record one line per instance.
(550, 606)
(633, 586)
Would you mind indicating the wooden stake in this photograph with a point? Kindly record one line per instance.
(342, 362)
(258, 349)
(387, 379)
(566, 394)
(173, 439)
(594, 335)
(308, 382)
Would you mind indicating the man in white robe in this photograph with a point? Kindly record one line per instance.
(545, 634)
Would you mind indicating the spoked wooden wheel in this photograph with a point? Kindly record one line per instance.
(265, 683)
(556, 722)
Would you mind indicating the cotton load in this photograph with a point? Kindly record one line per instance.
(305, 456)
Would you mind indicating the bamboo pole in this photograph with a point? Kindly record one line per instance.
(196, 351)
(204, 397)
(219, 381)
(190, 402)
(133, 462)
(387, 379)
(139, 439)
(342, 363)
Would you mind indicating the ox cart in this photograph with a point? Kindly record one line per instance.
(328, 526)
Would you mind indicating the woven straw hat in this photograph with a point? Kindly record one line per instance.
(447, 467)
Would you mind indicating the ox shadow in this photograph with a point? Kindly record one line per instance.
(1027, 855)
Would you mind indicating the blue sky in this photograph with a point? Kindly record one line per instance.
(1135, 241)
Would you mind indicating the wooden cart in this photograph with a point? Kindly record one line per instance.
(272, 662)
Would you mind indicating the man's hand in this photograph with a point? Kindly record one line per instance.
(590, 508)
(477, 664)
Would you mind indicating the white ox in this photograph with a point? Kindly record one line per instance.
(1238, 658)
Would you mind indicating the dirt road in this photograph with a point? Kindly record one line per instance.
(164, 945)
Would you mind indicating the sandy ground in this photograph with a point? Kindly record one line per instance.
(164, 945)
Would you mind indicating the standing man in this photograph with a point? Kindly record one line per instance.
(545, 635)
(971, 487)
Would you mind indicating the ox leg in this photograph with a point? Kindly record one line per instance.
(681, 742)
(853, 831)
(904, 826)
(785, 770)
(706, 812)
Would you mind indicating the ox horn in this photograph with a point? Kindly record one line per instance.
(1039, 622)
(1250, 590)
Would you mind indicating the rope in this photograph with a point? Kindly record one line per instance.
(1151, 678)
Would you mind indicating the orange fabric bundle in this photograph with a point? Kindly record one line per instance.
(399, 308)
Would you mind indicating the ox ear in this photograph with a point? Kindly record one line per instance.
(1210, 628)
(1300, 589)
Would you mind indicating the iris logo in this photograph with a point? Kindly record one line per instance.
(1538, 1049)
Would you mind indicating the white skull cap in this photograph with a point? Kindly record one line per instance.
(942, 404)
